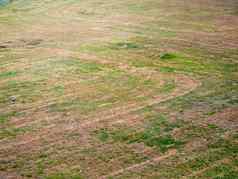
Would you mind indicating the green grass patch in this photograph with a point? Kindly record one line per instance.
(112, 49)
(168, 56)
(154, 135)
(119, 86)
(64, 176)
(168, 86)
(82, 106)
(25, 91)
(59, 89)
(208, 158)
(96, 49)
(8, 74)
(163, 143)
(171, 62)
(222, 171)
(77, 65)
(140, 63)
(102, 135)
(11, 132)
(5, 117)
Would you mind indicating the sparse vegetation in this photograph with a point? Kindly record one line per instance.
(118, 89)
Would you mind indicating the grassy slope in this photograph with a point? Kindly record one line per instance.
(79, 81)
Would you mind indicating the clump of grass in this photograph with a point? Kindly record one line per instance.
(8, 74)
(59, 89)
(12, 132)
(5, 117)
(102, 135)
(89, 68)
(163, 143)
(167, 69)
(153, 135)
(223, 170)
(167, 56)
(168, 87)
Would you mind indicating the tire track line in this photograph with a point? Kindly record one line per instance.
(141, 165)
(74, 126)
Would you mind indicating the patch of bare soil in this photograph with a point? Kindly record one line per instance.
(227, 119)
(5, 175)
(196, 144)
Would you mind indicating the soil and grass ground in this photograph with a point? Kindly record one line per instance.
(119, 89)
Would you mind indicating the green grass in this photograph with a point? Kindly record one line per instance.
(167, 56)
(64, 176)
(11, 132)
(223, 171)
(97, 57)
(110, 49)
(117, 84)
(72, 66)
(80, 66)
(168, 87)
(59, 89)
(102, 135)
(5, 117)
(153, 135)
(163, 143)
(25, 91)
(8, 74)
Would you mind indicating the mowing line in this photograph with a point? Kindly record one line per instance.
(199, 172)
(112, 114)
(140, 165)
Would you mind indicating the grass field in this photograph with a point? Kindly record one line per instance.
(110, 89)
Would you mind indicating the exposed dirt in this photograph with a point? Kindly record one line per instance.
(69, 69)
(141, 165)
(184, 86)
(227, 119)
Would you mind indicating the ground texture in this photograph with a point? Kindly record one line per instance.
(119, 89)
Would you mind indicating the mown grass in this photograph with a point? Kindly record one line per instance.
(6, 116)
(24, 91)
(119, 86)
(9, 74)
(65, 67)
(171, 38)
(107, 49)
(154, 134)
(78, 66)
(64, 176)
(11, 132)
